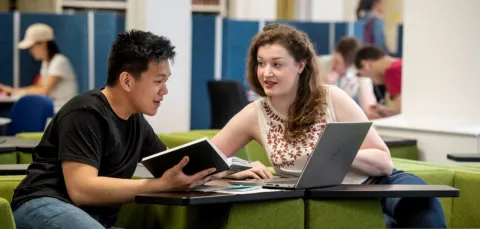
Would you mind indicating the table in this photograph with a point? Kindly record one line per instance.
(12, 144)
(21, 169)
(381, 191)
(204, 198)
(6, 104)
(13, 169)
(396, 142)
(4, 121)
(464, 157)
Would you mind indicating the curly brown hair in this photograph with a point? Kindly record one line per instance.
(310, 100)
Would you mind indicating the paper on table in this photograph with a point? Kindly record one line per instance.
(260, 190)
(232, 189)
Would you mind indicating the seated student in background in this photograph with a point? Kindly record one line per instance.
(57, 77)
(382, 69)
(292, 113)
(360, 89)
(82, 169)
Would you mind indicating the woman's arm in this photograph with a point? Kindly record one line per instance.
(45, 89)
(373, 158)
(239, 131)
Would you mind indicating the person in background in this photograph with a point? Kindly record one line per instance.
(359, 88)
(370, 12)
(57, 77)
(383, 69)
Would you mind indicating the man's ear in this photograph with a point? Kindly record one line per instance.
(364, 64)
(126, 81)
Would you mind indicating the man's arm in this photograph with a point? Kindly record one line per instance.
(50, 84)
(393, 84)
(85, 187)
(397, 104)
(81, 143)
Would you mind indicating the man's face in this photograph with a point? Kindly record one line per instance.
(147, 92)
(369, 68)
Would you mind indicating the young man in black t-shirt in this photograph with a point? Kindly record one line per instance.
(82, 168)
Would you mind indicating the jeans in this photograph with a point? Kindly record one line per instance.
(410, 212)
(48, 212)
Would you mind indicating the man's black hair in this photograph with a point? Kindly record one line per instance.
(133, 50)
(368, 52)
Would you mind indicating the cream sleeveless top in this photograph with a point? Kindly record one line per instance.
(290, 159)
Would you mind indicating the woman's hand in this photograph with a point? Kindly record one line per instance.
(258, 171)
(6, 89)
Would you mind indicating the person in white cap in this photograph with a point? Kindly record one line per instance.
(57, 77)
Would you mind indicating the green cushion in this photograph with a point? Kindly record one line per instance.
(8, 158)
(464, 210)
(344, 214)
(405, 152)
(466, 213)
(268, 214)
(8, 184)
(6, 215)
(30, 135)
(24, 158)
(256, 152)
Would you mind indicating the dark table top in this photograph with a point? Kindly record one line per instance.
(464, 157)
(381, 191)
(10, 144)
(13, 169)
(396, 142)
(21, 169)
(203, 198)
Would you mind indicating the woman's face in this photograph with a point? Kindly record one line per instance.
(338, 64)
(379, 6)
(277, 70)
(39, 51)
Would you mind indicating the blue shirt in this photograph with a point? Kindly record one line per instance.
(378, 31)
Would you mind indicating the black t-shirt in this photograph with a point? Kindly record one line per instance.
(87, 130)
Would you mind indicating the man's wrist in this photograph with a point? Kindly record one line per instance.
(157, 185)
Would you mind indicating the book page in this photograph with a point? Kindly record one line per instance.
(233, 189)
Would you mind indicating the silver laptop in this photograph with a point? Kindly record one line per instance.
(329, 162)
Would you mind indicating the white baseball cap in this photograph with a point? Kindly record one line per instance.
(36, 33)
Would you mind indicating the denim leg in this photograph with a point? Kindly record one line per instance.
(97, 218)
(391, 223)
(412, 212)
(47, 212)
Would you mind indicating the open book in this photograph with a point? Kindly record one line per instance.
(202, 154)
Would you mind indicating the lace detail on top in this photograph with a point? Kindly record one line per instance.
(290, 158)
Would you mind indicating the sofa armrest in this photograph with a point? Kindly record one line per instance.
(6, 215)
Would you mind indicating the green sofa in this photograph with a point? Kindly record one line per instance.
(461, 212)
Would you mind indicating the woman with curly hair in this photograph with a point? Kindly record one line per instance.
(292, 113)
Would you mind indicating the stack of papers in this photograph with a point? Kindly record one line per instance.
(233, 189)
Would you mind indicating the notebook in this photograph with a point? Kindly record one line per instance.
(202, 154)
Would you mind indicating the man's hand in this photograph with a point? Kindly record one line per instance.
(372, 113)
(384, 111)
(176, 180)
(258, 171)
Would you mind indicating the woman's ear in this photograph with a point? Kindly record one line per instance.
(301, 66)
